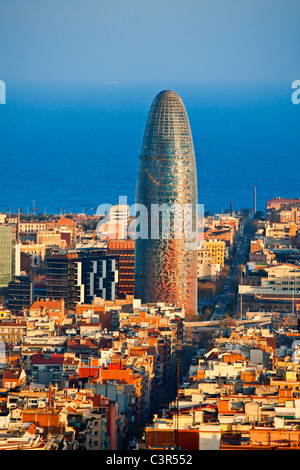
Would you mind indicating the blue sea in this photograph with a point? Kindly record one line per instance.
(72, 146)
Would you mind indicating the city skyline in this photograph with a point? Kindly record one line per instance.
(150, 227)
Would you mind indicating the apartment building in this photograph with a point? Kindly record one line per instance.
(12, 331)
(54, 369)
(281, 280)
(115, 225)
(52, 238)
(225, 234)
(80, 276)
(13, 378)
(216, 250)
(67, 228)
(53, 309)
(124, 249)
(31, 227)
(20, 293)
(207, 269)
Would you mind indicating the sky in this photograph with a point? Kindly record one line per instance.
(120, 40)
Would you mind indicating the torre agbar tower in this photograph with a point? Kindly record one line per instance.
(165, 261)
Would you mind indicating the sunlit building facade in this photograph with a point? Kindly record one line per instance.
(8, 254)
(124, 249)
(165, 260)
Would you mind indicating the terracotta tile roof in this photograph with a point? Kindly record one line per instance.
(56, 304)
(11, 374)
(73, 343)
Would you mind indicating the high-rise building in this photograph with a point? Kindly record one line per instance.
(124, 249)
(81, 276)
(165, 261)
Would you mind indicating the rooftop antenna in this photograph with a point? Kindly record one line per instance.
(254, 199)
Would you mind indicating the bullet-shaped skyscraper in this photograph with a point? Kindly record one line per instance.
(166, 198)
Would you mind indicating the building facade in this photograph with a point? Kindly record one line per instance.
(7, 254)
(165, 263)
(30, 227)
(124, 249)
(217, 250)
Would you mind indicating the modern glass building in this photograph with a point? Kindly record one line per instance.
(166, 218)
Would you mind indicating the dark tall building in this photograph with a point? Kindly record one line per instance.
(165, 262)
(80, 276)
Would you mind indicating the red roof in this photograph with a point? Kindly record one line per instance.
(54, 359)
(11, 374)
(54, 304)
(89, 372)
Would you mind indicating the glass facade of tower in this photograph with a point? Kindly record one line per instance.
(165, 263)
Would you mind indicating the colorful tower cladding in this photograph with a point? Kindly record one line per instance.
(166, 193)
